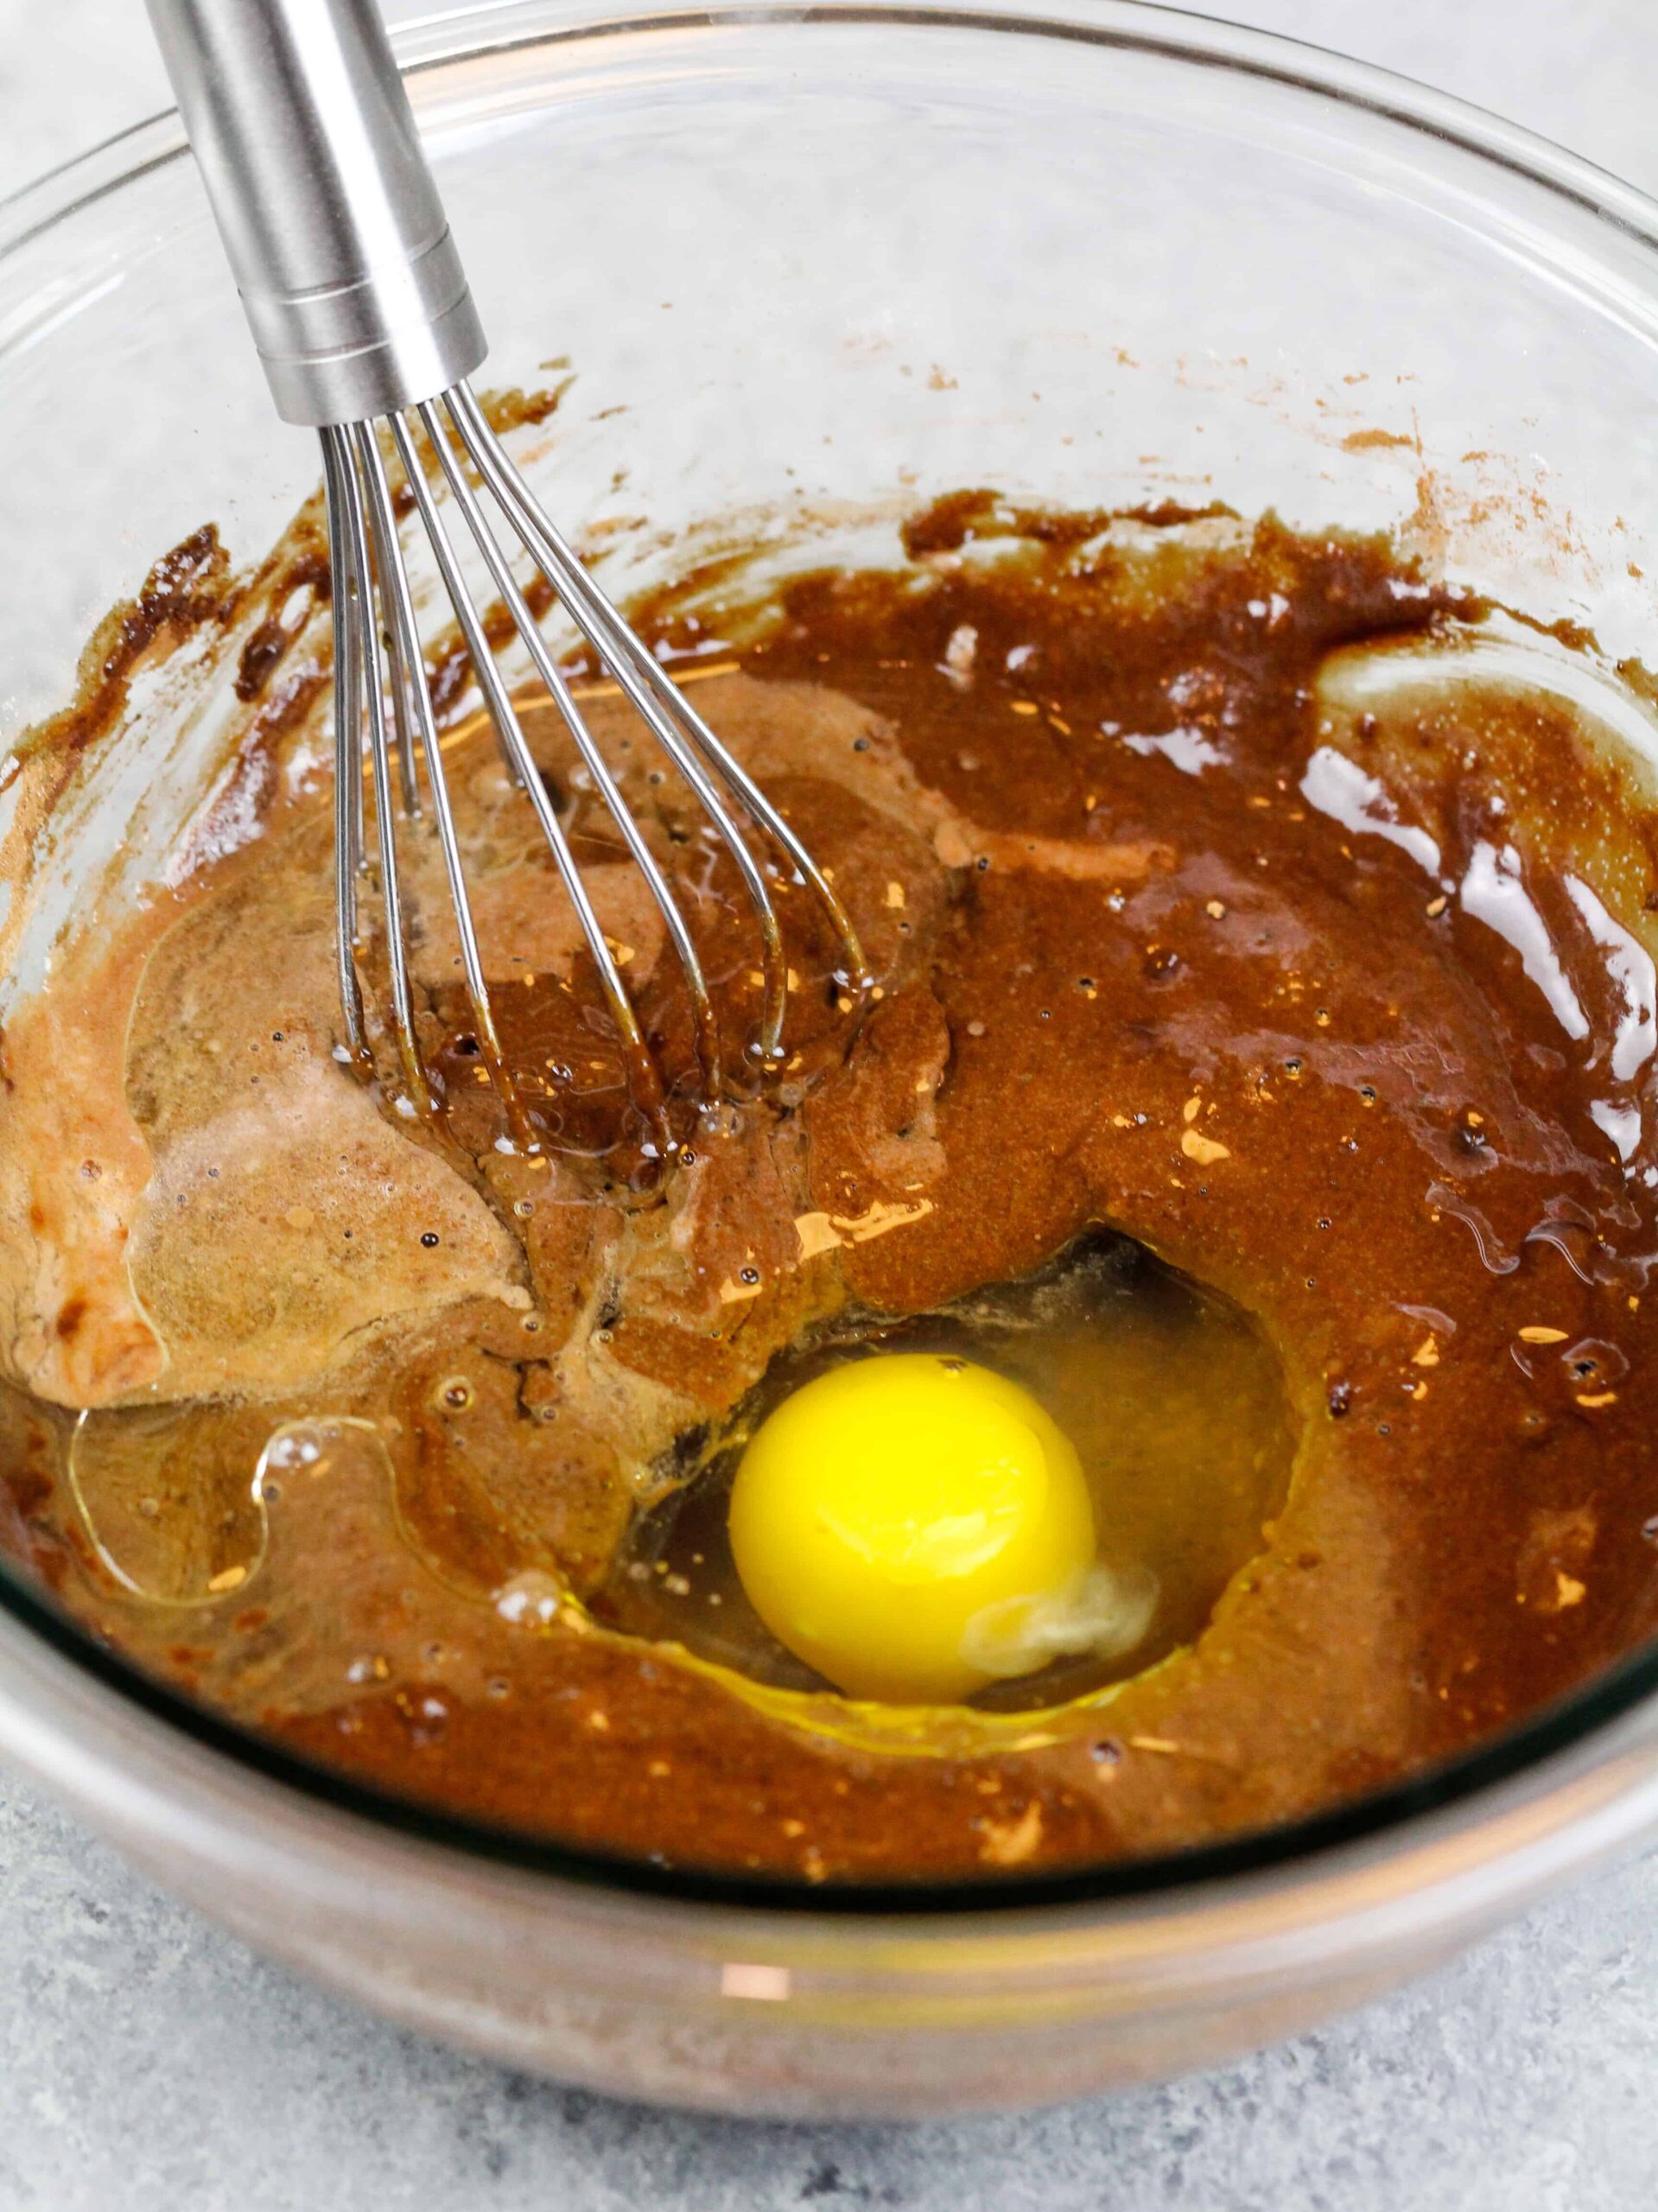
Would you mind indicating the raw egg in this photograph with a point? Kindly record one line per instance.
(914, 1526)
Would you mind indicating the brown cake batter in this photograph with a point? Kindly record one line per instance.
(1219, 899)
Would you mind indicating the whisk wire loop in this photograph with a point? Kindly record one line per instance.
(347, 782)
(383, 711)
(412, 711)
(510, 735)
(633, 668)
(624, 656)
(559, 691)
(404, 704)
(367, 702)
(626, 660)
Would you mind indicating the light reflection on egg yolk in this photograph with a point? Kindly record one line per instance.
(888, 1503)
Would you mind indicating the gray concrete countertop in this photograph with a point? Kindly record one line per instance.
(146, 2061)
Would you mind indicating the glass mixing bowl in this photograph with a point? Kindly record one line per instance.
(813, 264)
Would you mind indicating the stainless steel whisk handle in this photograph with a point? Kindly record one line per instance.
(338, 243)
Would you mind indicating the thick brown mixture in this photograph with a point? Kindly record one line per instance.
(1332, 992)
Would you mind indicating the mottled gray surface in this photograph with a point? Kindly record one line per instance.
(146, 2061)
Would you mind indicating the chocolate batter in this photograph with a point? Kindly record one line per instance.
(1264, 1043)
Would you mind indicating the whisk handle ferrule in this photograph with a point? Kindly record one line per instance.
(302, 131)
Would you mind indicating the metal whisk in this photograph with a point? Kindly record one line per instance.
(364, 323)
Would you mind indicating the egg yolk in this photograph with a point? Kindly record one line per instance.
(882, 1509)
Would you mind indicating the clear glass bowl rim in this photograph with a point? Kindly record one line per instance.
(431, 42)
